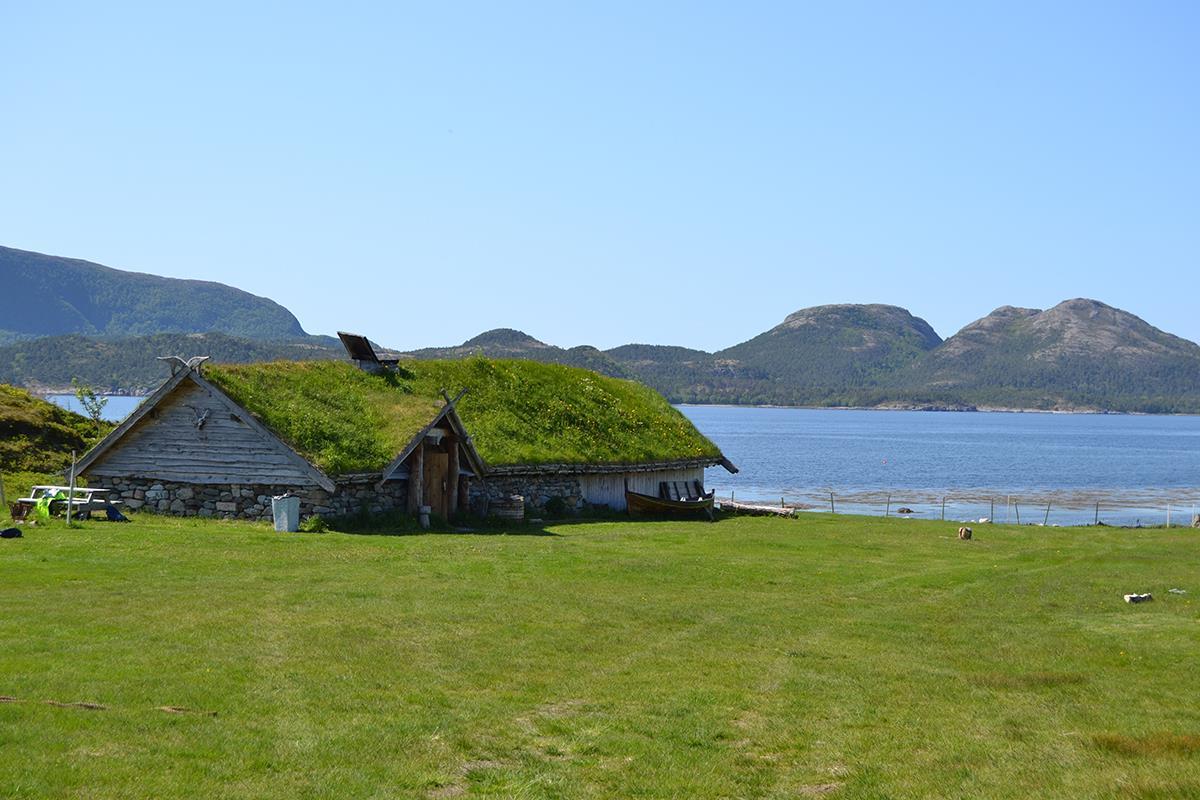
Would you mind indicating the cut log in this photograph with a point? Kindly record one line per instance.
(751, 508)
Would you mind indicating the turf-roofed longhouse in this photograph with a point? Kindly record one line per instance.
(223, 439)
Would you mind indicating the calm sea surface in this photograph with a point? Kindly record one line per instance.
(984, 464)
(116, 409)
(1134, 466)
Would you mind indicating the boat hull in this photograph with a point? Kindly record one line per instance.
(656, 506)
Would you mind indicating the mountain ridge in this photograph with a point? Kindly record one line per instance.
(104, 326)
(72, 296)
(1079, 355)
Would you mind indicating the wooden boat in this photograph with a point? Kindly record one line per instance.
(646, 504)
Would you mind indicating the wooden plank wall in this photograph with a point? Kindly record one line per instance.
(609, 489)
(167, 445)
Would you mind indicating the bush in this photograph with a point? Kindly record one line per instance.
(314, 524)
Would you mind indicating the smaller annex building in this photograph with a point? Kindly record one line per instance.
(222, 440)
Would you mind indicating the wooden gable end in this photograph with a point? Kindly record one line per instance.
(195, 435)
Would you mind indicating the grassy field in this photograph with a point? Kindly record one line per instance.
(841, 657)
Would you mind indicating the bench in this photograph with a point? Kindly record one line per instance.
(681, 490)
(83, 502)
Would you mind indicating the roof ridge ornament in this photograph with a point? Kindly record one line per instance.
(457, 397)
(176, 363)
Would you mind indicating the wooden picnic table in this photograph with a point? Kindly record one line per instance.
(83, 502)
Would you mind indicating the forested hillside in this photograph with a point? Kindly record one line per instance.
(131, 365)
(1079, 355)
(510, 343)
(54, 296)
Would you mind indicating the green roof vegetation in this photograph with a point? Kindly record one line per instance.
(36, 435)
(519, 412)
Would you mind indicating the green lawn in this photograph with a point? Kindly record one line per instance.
(841, 657)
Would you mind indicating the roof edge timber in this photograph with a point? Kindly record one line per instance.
(448, 412)
(578, 469)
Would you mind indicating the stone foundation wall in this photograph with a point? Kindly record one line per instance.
(537, 491)
(253, 501)
(351, 496)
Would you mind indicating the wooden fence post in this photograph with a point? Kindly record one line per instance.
(943, 508)
(832, 508)
(71, 489)
(888, 510)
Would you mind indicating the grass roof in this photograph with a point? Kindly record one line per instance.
(519, 412)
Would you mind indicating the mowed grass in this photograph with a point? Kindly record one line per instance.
(831, 656)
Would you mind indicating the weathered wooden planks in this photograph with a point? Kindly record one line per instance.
(192, 437)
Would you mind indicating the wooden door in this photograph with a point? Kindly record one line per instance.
(436, 488)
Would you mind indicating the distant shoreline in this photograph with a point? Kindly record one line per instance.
(949, 410)
(928, 407)
(71, 392)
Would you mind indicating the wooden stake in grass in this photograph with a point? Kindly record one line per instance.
(1097, 522)
(832, 509)
(991, 509)
(1046, 521)
(71, 489)
(1168, 515)
(943, 507)
(1017, 508)
(888, 508)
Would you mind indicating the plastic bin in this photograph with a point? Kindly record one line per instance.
(286, 510)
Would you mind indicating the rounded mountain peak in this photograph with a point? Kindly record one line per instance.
(504, 337)
(867, 316)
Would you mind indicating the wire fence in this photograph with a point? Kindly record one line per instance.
(1052, 508)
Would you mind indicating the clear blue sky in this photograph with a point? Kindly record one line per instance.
(684, 173)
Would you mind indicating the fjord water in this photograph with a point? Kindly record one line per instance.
(1133, 466)
(116, 409)
(991, 464)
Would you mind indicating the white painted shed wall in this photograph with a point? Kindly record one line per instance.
(609, 489)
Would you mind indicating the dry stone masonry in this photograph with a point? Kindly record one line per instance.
(537, 491)
(253, 501)
(352, 496)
